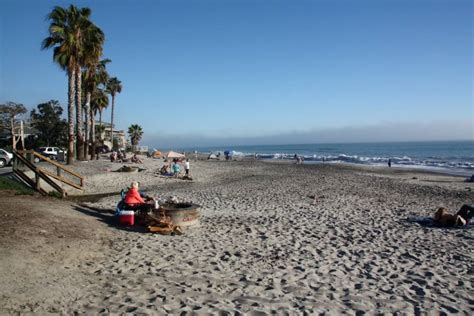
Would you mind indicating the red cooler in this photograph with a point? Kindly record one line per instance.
(127, 218)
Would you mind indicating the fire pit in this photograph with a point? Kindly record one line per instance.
(130, 169)
(182, 214)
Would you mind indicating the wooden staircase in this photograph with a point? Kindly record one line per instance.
(24, 162)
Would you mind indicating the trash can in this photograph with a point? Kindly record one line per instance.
(61, 156)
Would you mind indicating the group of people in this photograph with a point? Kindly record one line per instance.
(121, 156)
(174, 169)
(299, 159)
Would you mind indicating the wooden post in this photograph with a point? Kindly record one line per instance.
(37, 180)
(22, 136)
(12, 126)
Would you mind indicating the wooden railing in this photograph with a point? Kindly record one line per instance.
(27, 158)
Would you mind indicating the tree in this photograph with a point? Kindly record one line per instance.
(100, 129)
(90, 61)
(99, 101)
(52, 129)
(114, 86)
(8, 114)
(71, 35)
(136, 132)
(95, 77)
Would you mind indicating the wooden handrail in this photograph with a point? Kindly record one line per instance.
(28, 180)
(39, 174)
(54, 163)
(52, 175)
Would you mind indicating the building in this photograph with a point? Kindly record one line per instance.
(119, 136)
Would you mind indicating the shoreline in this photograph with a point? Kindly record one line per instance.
(454, 171)
(420, 169)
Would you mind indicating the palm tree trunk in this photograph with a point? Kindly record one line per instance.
(112, 121)
(79, 127)
(134, 144)
(92, 115)
(87, 119)
(70, 114)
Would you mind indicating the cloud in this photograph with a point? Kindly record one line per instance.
(381, 132)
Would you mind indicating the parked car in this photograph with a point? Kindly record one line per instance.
(50, 152)
(5, 158)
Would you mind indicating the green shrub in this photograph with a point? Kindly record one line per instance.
(55, 194)
(19, 188)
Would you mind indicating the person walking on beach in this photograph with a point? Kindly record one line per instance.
(389, 162)
(186, 167)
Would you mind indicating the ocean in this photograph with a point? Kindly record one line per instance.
(454, 157)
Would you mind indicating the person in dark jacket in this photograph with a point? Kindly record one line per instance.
(463, 217)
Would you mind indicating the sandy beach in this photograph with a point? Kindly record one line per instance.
(273, 238)
(331, 151)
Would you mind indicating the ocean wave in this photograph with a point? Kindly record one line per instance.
(454, 161)
(376, 160)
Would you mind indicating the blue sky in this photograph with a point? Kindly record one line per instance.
(211, 72)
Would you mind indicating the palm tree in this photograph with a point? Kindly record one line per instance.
(99, 101)
(101, 106)
(136, 132)
(95, 75)
(70, 33)
(114, 86)
(90, 58)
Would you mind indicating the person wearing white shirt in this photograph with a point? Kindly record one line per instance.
(186, 167)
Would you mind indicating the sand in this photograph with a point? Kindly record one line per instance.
(273, 238)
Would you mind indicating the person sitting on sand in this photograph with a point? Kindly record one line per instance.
(135, 159)
(134, 201)
(113, 156)
(164, 170)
